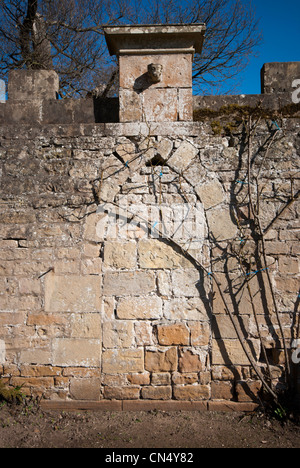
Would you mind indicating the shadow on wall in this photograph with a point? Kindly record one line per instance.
(106, 110)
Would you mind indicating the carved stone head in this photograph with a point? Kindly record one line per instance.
(155, 72)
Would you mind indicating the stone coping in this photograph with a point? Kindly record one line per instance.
(148, 405)
(159, 36)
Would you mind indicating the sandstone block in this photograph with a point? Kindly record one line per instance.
(223, 328)
(91, 266)
(191, 392)
(72, 293)
(186, 283)
(220, 224)
(33, 84)
(93, 228)
(123, 361)
(76, 352)
(157, 393)
(28, 384)
(164, 147)
(85, 389)
(130, 106)
(143, 333)
(183, 156)
(175, 334)
(161, 378)
(210, 193)
(146, 308)
(120, 254)
(35, 356)
(121, 393)
(85, 326)
(139, 379)
(189, 362)
(222, 390)
(200, 333)
(248, 390)
(126, 283)
(156, 254)
(177, 69)
(227, 352)
(185, 379)
(239, 295)
(288, 265)
(185, 104)
(160, 105)
(40, 371)
(160, 360)
(118, 334)
(185, 309)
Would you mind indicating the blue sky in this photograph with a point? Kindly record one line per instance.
(280, 25)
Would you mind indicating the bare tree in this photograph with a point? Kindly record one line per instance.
(71, 31)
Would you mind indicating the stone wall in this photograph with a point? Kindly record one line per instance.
(109, 238)
(151, 262)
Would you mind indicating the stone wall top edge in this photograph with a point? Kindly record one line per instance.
(140, 129)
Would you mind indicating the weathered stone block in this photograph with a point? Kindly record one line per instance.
(94, 227)
(121, 393)
(125, 283)
(223, 328)
(33, 84)
(189, 361)
(86, 326)
(186, 283)
(136, 308)
(118, 334)
(160, 105)
(130, 106)
(220, 224)
(185, 104)
(191, 392)
(85, 389)
(200, 333)
(155, 254)
(143, 333)
(35, 356)
(183, 156)
(177, 71)
(175, 334)
(210, 193)
(139, 379)
(159, 360)
(120, 254)
(157, 393)
(278, 77)
(161, 378)
(72, 293)
(184, 379)
(76, 352)
(186, 309)
(227, 352)
(222, 390)
(123, 361)
(248, 390)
